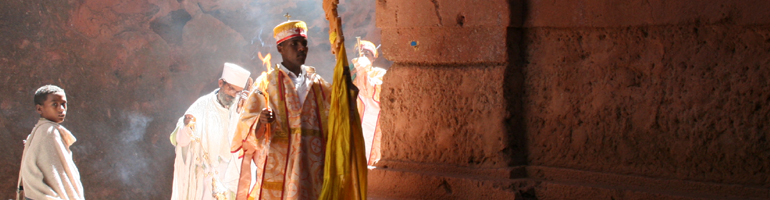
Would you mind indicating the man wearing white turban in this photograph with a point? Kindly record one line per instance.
(204, 167)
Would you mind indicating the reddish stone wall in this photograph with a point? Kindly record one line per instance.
(669, 89)
(444, 97)
(460, 107)
(680, 102)
(575, 100)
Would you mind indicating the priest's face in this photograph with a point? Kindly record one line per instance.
(293, 51)
(227, 93)
(369, 55)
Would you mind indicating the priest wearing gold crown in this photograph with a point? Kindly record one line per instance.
(368, 79)
(204, 167)
(283, 127)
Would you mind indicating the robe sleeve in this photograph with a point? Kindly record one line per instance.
(181, 135)
(172, 137)
(250, 115)
(194, 110)
(327, 89)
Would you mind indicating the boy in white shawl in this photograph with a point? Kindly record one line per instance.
(47, 170)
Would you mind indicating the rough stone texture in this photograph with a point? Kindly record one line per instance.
(599, 181)
(681, 102)
(432, 185)
(445, 45)
(450, 32)
(604, 13)
(589, 99)
(131, 68)
(462, 105)
(442, 13)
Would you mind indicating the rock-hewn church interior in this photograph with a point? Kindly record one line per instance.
(482, 99)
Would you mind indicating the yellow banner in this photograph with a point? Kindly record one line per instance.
(345, 165)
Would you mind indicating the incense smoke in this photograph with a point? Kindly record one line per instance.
(255, 20)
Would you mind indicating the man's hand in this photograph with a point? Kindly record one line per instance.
(243, 95)
(249, 83)
(188, 118)
(266, 116)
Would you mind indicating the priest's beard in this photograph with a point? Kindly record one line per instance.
(224, 99)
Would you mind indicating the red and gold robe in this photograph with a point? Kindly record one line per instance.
(290, 157)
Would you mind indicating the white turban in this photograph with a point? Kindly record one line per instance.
(235, 75)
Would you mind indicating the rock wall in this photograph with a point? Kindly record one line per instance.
(587, 99)
(674, 96)
(131, 68)
(445, 74)
(670, 90)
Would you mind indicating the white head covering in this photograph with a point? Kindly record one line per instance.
(235, 74)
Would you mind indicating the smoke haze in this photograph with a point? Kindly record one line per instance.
(255, 20)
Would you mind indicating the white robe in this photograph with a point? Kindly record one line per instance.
(214, 129)
(368, 80)
(47, 169)
(301, 81)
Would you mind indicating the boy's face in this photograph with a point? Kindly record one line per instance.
(54, 108)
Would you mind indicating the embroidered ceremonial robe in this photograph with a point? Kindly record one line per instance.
(290, 158)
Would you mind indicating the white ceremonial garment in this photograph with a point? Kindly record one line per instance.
(301, 84)
(368, 79)
(47, 169)
(369, 122)
(204, 152)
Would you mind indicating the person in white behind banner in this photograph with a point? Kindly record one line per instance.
(204, 168)
(368, 79)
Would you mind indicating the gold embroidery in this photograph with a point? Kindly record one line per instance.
(273, 185)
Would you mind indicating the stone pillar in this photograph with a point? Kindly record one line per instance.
(448, 99)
